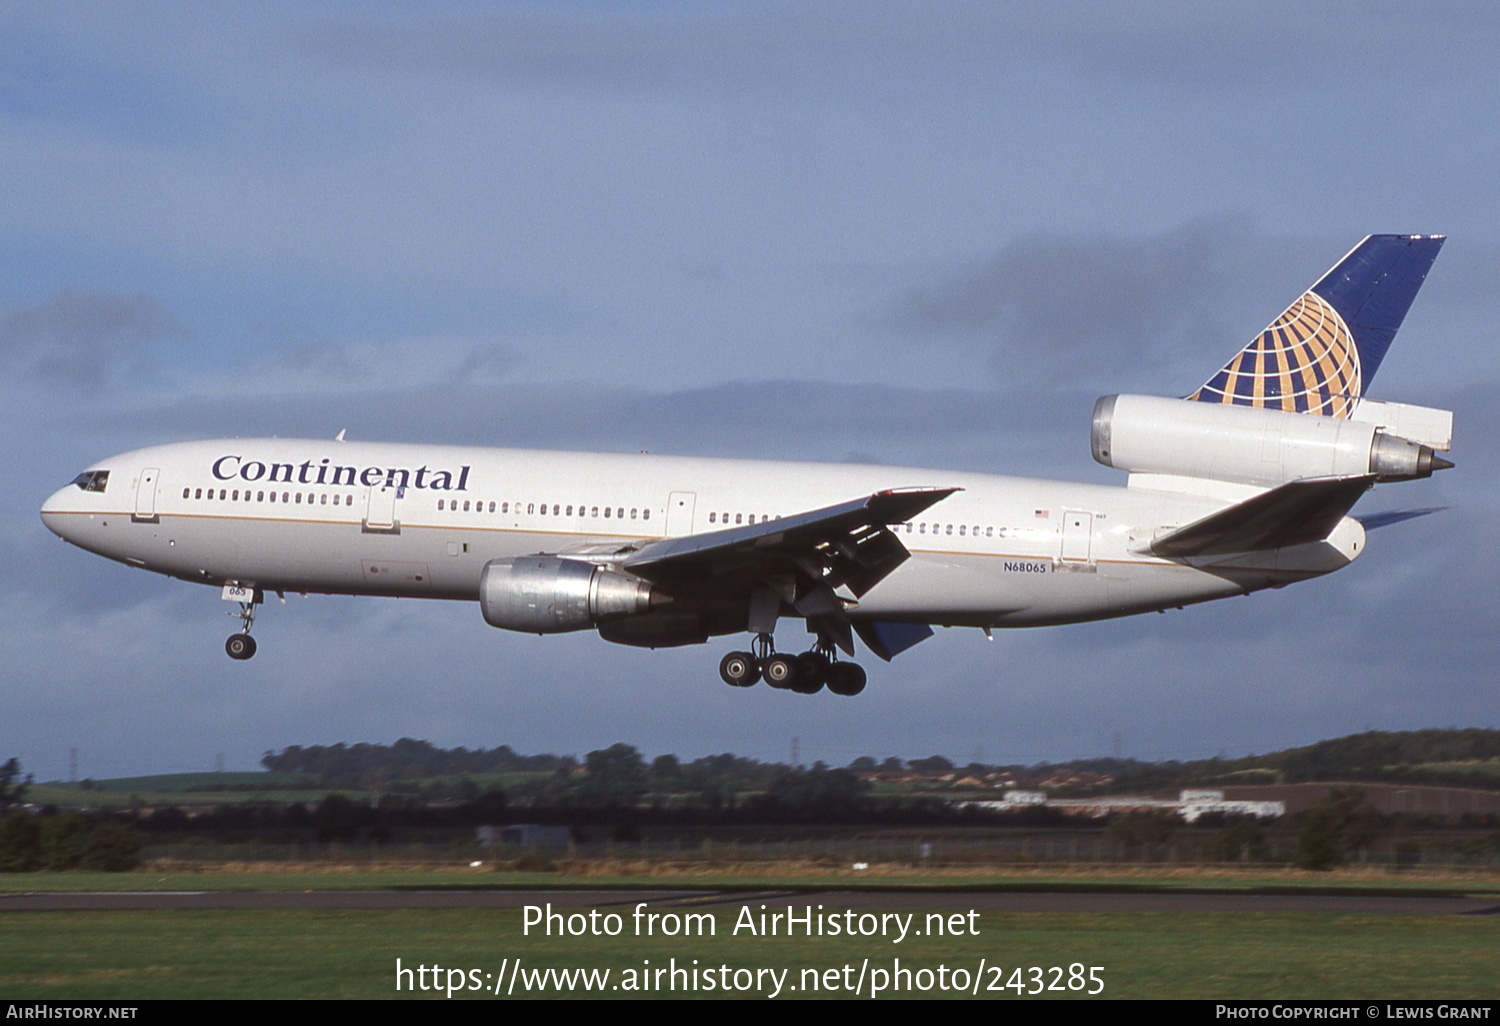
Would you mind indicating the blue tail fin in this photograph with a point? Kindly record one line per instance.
(1321, 354)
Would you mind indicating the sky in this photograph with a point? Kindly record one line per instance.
(886, 232)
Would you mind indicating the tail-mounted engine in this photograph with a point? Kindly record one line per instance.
(1249, 445)
(548, 595)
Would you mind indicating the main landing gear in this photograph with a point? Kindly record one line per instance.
(805, 674)
(242, 645)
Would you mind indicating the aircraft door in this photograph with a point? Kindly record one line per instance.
(380, 510)
(680, 513)
(1077, 536)
(145, 494)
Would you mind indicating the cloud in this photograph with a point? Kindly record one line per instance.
(978, 429)
(81, 338)
(850, 47)
(1056, 307)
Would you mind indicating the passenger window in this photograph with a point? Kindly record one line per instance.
(466, 505)
(505, 507)
(606, 512)
(283, 496)
(530, 507)
(556, 509)
(260, 496)
(632, 512)
(187, 493)
(198, 494)
(646, 514)
(440, 505)
(922, 529)
(713, 518)
(595, 513)
(949, 529)
(323, 500)
(492, 507)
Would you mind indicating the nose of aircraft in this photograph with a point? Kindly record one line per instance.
(55, 509)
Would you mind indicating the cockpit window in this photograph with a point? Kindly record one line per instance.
(92, 480)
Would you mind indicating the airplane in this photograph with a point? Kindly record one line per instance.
(1245, 484)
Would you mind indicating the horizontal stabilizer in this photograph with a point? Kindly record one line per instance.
(1370, 521)
(1295, 513)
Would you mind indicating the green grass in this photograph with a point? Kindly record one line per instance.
(335, 879)
(165, 782)
(342, 954)
(1488, 768)
(66, 796)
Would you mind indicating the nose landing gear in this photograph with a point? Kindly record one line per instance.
(242, 646)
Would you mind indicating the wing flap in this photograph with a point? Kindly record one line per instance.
(850, 539)
(1295, 513)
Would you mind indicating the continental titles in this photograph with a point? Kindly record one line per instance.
(326, 472)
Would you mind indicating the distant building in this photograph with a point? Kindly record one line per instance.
(1191, 805)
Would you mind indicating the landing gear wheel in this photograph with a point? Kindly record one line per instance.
(779, 670)
(812, 672)
(846, 679)
(240, 646)
(739, 670)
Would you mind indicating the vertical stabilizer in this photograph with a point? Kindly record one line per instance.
(1321, 354)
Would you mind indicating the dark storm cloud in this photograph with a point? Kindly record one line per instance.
(1109, 308)
(87, 338)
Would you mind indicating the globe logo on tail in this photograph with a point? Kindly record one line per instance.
(1305, 362)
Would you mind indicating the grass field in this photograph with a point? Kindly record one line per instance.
(353, 953)
(603, 874)
(343, 954)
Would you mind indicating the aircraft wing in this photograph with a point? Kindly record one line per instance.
(847, 544)
(1295, 513)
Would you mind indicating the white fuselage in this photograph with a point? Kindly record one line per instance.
(422, 521)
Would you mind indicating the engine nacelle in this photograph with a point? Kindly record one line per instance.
(547, 595)
(1248, 445)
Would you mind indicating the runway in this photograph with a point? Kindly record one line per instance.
(983, 900)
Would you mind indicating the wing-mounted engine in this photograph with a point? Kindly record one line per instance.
(1264, 447)
(550, 595)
